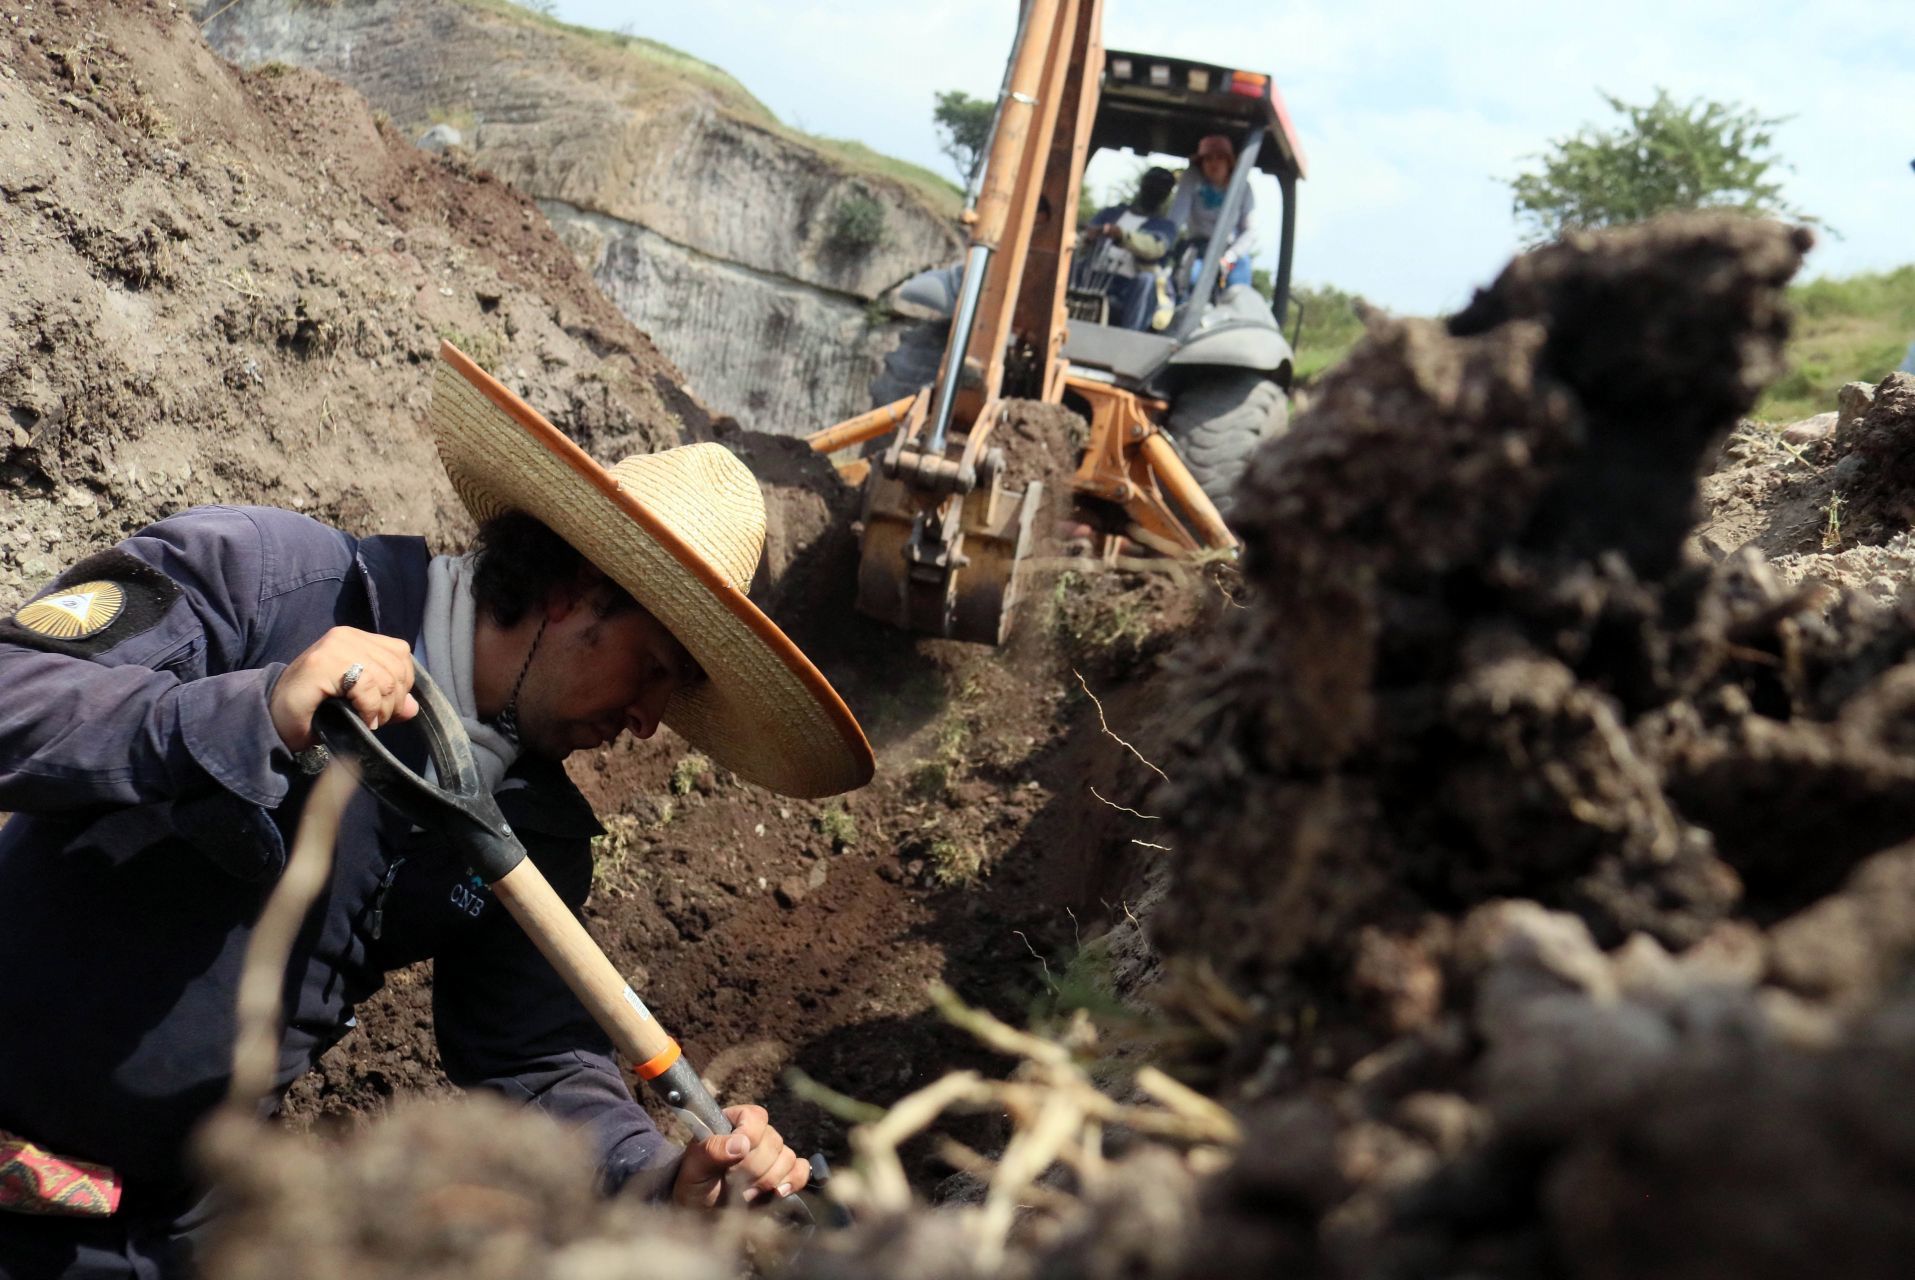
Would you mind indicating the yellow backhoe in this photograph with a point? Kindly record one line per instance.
(945, 532)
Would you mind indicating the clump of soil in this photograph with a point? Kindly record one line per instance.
(1534, 847)
(1467, 560)
(484, 1189)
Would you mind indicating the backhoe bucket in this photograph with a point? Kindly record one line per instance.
(917, 572)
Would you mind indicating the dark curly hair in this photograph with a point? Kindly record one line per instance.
(519, 562)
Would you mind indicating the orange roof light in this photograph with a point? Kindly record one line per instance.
(1249, 83)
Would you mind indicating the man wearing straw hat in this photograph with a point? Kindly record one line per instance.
(156, 750)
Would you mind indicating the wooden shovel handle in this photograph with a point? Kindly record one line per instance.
(606, 995)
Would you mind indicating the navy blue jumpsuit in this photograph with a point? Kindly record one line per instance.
(154, 805)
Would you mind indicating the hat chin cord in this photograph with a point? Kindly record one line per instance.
(507, 721)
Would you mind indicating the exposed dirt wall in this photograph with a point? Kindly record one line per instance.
(223, 287)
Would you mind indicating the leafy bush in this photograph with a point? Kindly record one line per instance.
(1663, 158)
(857, 223)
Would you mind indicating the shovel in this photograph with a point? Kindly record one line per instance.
(459, 807)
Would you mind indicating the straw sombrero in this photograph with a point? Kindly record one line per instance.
(682, 531)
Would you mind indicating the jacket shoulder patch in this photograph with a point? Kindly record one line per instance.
(82, 610)
(93, 606)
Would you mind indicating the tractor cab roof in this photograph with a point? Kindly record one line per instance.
(1165, 105)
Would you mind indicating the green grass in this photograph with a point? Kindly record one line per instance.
(1851, 330)
(661, 57)
(1848, 330)
(939, 192)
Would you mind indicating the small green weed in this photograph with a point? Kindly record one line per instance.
(930, 779)
(836, 825)
(687, 772)
(955, 863)
(857, 223)
(612, 852)
(1082, 981)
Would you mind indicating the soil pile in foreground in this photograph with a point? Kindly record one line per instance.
(1558, 873)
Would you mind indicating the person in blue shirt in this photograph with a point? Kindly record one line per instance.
(1130, 243)
(156, 752)
(1198, 203)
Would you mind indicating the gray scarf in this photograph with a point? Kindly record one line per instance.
(445, 651)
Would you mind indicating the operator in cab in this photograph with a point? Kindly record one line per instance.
(1131, 242)
(1198, 203)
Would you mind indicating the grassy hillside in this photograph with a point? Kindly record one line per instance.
(663, 61)
(1850, 330)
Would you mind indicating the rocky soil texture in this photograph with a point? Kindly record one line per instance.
(223, 287)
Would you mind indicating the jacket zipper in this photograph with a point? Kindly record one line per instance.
(379, 897)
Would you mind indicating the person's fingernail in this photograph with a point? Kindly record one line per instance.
(784, 1188)
(751, 1194)
(738, 1147)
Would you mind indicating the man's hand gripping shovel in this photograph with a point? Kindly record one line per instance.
(459, 806)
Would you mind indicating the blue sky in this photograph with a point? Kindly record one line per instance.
(1412, 114)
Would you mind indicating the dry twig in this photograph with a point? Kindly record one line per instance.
(263, 975)
(1058, 1115)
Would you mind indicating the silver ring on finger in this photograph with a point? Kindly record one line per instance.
(351, 678)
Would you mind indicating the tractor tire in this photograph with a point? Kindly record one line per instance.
(912, 364)
(1219, 420)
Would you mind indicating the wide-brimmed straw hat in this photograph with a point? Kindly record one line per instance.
(682, 531)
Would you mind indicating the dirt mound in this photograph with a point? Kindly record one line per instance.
(1490, 827)
(223, 287)
(1844, 488)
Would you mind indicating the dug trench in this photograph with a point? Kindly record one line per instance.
(999, 837)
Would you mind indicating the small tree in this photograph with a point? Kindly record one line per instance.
(964, 127)
(1664, 157)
